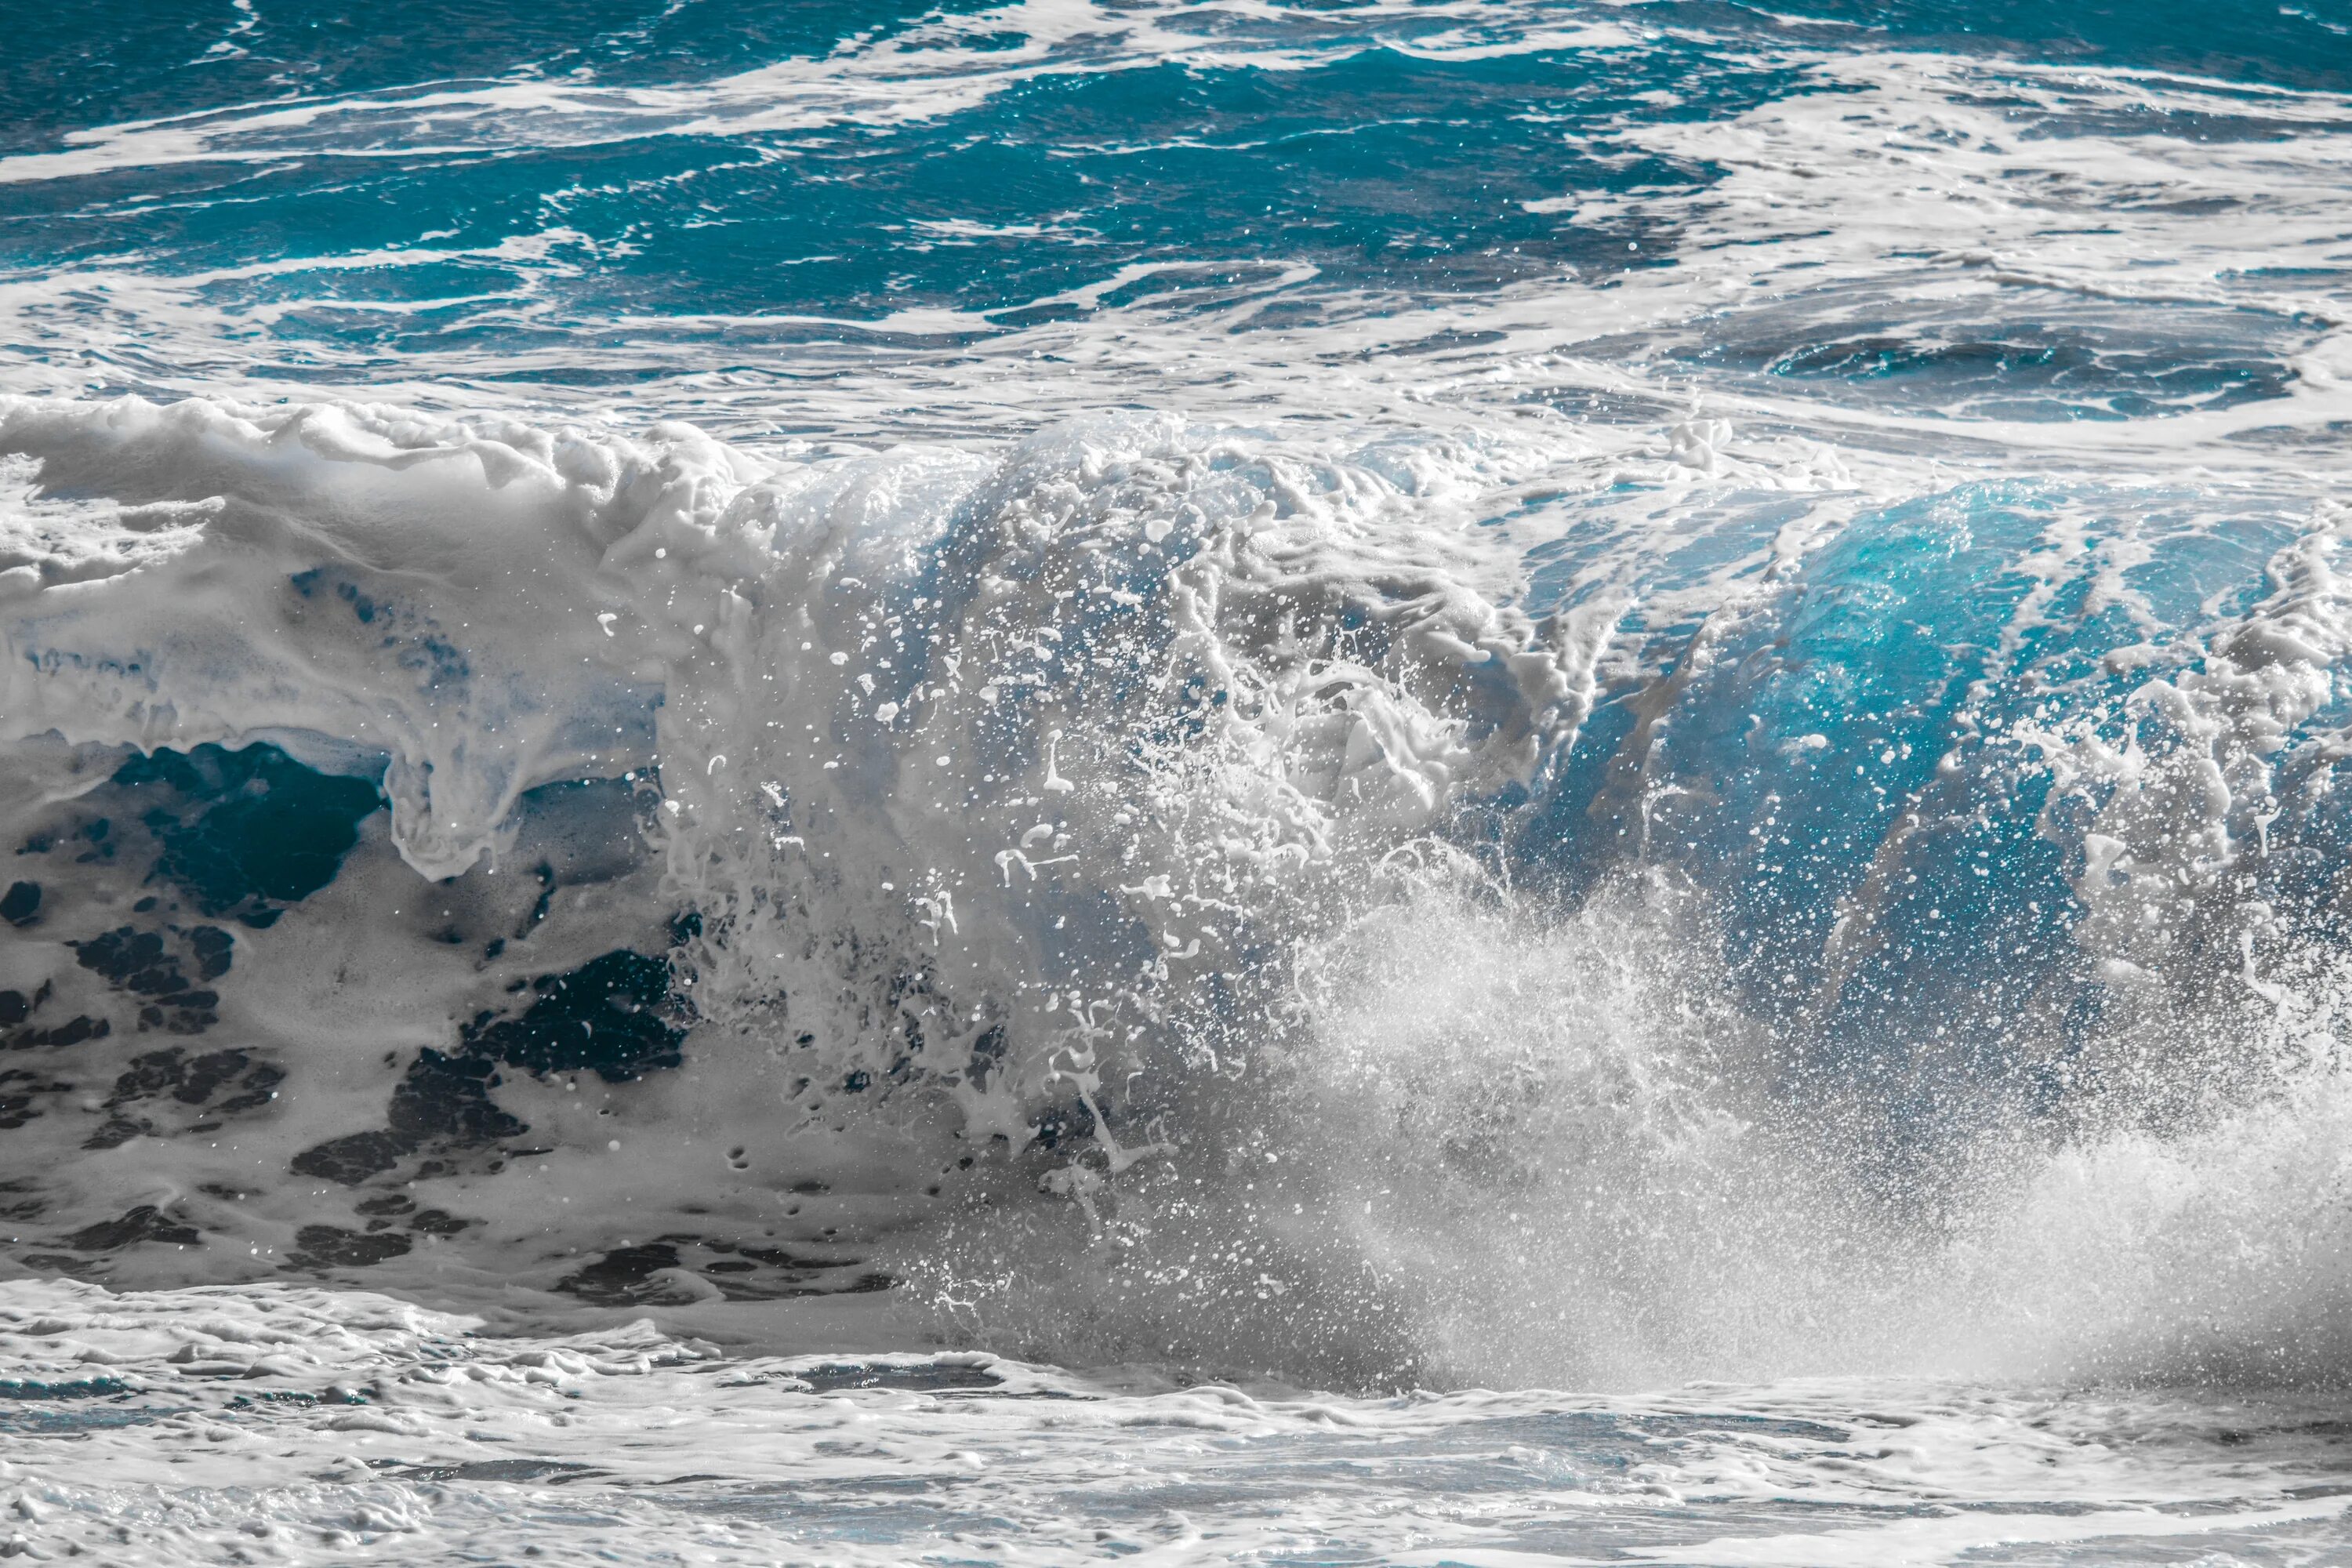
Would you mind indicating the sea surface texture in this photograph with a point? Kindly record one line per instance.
(1468, 782)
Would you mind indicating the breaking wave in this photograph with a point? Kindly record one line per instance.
(1176, 893)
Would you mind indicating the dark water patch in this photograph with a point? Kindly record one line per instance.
(576, 833)
(2059, 367)
(331, 1246)
(611, 1016)
(349, 1160)
(211, 947)
(448, 1098)
(140, 961)
(1451, 338)
(243, 832)
(757, 1273)
(117, 1130)
(622, 1276)
(145, 1223)
(194, 1019)
(555, 1470)
(630, 1276)
(72, 1032)
(20, 1090)
(21, 904)
(99, 835)
(18, 1010)
(192, 1081)
(76, 1388)
(154, 964)
(2327, 436)
(783, 1257)
(614, 1015)
(441, 1101)
(257, 1089)
(38, 1422)
(921, 1377)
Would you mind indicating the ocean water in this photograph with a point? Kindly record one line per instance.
(1474, 781)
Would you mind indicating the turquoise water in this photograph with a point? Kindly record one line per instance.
(606, 198)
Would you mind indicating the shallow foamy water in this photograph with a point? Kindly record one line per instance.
(302, 1425)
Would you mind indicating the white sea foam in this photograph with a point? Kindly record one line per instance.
(280, 1425)
(2116, 209)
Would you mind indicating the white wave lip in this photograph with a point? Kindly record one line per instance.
(158, 611)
